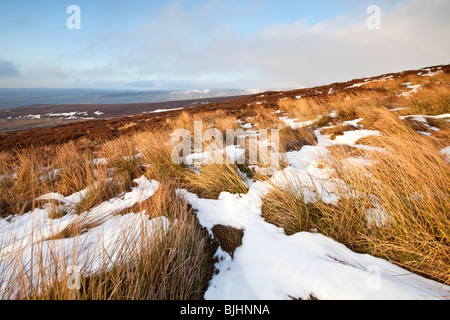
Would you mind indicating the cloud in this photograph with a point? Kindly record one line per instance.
(7, 69)
(413, 35)
(200, 47)
(142, 84)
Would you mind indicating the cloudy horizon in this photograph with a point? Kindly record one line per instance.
(183, 45)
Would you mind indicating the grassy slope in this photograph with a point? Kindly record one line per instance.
(411, 182)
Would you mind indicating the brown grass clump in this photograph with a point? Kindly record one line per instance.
(156, 150)
(337, 130)
(124, 158)
(385, 121)
(410, 184)
(76, 169)
(295, 139)
(213, 179)
(285, 206)
(434, 100)
(167, 264)
(265, 118)
(21, 183)
(304, 109)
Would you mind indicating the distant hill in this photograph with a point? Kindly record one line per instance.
(11, 98)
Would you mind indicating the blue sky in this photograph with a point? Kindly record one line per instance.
(164, 44)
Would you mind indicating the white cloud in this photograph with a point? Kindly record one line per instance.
(413, 35)
(188, 49)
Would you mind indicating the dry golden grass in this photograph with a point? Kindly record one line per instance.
(337, 130)
(285, 206)
(397, 208)
(295, 139)
(385, 121)
(433, 100)
(265, 118)
(394, 85)
(124, 158)
(219, 119)
(304, 109)
(411, 184)
(22, 183)
(156, 150)
(76, 169)
(214, 179)
(169, 264)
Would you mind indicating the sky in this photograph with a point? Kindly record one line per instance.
(197, 44)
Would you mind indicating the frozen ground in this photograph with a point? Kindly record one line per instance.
(268, 265)
(272, 265)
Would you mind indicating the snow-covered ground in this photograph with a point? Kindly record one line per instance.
(271, 265)
(268, 265)
(27, 247)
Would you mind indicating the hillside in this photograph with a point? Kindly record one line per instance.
(110, 123)
(334, 192)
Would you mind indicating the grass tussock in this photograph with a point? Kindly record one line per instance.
(124, 159)
(265, 118)
(295, 139)
(76, 169)
(21, 181)
(172, 263)
(212, 179)
(396, 209)
(337, 130)
(286, 207)
(304, 109)
(432, 100)
(385, 121)
(156, 156)
(395, 205)
(403, 197)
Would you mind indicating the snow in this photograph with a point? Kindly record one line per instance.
(294, 123)
(269, 265)
(414, 89)
(247, 126)
(97, 249)
(33, 116)
(100, 161)
(50, 175)
(164, 110)
(431, 74)
(423, 120)
(350, 137)
(62, 114)
(353, 123)
(446, 153)
(22, 237)
(273, 266)
(398, 109)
